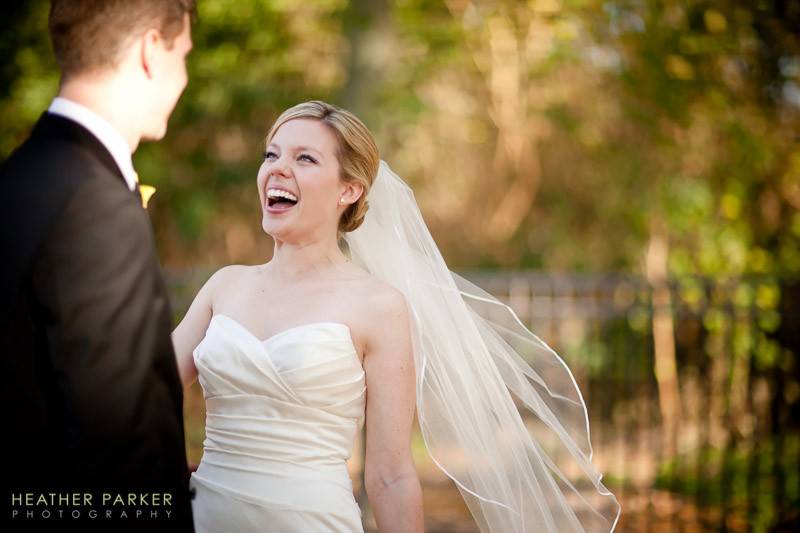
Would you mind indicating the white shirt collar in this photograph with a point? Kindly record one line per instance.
(114, 142)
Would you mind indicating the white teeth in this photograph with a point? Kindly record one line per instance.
(274, 193)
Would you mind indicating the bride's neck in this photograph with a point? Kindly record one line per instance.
(297, 262)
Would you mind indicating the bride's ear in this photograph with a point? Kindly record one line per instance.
(352, 192)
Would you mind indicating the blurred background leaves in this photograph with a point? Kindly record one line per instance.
(545, 134)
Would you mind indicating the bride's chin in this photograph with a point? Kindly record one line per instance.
(273, 228)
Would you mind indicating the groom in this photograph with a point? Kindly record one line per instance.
(94, 403)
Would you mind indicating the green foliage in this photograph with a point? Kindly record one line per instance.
(536, 134)
(741, 480)
(28, 75)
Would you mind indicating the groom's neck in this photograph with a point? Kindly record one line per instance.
(108, 97)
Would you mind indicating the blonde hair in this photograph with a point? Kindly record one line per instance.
(357, 152)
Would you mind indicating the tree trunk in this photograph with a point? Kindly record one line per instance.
(666, 371)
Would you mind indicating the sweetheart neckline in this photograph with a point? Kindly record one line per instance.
(293, 328)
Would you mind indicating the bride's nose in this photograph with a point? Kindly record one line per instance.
(280, 168)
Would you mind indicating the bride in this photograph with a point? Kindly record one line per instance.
(356, 321)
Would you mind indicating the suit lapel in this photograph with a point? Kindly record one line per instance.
(138, 193)
(52, 125)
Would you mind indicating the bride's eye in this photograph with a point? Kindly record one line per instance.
(268, 155)
(308, 158)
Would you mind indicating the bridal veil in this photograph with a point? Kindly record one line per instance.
(499, 411)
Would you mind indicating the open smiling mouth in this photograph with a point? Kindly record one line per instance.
(278, 200)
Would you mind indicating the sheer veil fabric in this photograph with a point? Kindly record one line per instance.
(500, 412)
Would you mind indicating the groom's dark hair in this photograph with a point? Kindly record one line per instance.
(89, 34)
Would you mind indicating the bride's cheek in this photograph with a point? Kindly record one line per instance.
(260, 182)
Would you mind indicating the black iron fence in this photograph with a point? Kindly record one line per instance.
(694, 403)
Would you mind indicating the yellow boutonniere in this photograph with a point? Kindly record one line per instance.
(146, 191)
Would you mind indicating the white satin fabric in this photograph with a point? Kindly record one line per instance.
(282, 415)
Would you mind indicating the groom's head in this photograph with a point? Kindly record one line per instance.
(134, 48)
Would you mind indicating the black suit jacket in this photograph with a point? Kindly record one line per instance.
(93, 397)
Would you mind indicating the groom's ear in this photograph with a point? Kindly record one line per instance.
(150, 44)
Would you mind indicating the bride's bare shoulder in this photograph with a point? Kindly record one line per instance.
(375, 291)
(229, 274)
(227, 279)
(384, 305)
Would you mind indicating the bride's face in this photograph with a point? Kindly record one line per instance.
(301, 160)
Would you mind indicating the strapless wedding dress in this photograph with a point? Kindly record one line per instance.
(282, 415)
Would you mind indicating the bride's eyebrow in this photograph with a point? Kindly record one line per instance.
(299, 149)
(307, 149)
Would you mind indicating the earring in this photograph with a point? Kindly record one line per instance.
(341, 200)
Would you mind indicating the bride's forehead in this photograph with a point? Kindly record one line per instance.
(304, 132)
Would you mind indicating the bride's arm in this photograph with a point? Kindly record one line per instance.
(390, 475)
(189, 332)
